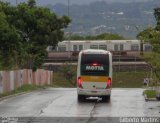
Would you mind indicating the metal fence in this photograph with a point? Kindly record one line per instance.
(11, 80)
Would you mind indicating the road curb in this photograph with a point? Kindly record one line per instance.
(13, 95)
(18, 94)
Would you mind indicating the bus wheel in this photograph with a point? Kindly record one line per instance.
(81, 98)
(106, 98)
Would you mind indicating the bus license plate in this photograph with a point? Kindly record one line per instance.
(94, 91)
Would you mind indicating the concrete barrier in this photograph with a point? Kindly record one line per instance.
(12, 84)
(25, 77)
(11, 80)
(6, 81)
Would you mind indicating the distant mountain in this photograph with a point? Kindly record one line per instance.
(126, 19)
(77, 2)
(91, 17)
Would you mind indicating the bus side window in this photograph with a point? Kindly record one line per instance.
(94, 47)
(80, 47)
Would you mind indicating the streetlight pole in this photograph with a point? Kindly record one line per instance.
(142, 46)
(141, 41)
(69, 46)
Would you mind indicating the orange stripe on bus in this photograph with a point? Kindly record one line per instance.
(94, 78)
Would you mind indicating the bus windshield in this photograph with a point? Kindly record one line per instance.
(95, 64)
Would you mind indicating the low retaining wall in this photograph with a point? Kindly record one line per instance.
(11, 80)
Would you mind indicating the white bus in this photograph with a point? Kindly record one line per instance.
(94, 74)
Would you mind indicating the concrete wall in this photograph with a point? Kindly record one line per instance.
(11, 80)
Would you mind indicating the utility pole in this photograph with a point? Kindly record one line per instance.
(68, 7)
(16, 2)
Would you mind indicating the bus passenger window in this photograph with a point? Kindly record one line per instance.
(121, 47)
(94, 47)
(75, 48)
(116, 47)
(80, 47)
(61, 48)
(134, 47)
(103, 47)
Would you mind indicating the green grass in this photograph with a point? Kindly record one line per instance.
(24, 88)
(60, 81)
(150, 93)
(120, 80)
(128, 79)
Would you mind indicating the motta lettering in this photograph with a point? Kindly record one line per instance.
(100, 68)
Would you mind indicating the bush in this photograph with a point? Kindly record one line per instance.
(150, 93)
(69, 73)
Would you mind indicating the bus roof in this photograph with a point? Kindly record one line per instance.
(95, 51)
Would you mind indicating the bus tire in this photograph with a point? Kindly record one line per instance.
(106, 98)
(81, 98)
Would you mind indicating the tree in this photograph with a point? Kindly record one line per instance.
(109, 36)
(31, 3)
(104, 36)
(68, 72)
(9, 43)
(146, 34)
(37, 27)
(152, 35)
(157, 16)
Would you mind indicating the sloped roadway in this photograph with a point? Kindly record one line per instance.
(60, 105)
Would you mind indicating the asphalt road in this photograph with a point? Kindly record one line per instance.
(60, 102)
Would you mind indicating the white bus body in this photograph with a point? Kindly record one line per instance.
(94, 74)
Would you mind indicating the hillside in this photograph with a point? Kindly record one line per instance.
(92, 17)
(77, 2)
(126, 19)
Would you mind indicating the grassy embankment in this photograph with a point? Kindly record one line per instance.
(120, 80)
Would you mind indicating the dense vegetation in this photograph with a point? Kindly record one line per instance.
(152, 35)
(25, 32)
(104, 36)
